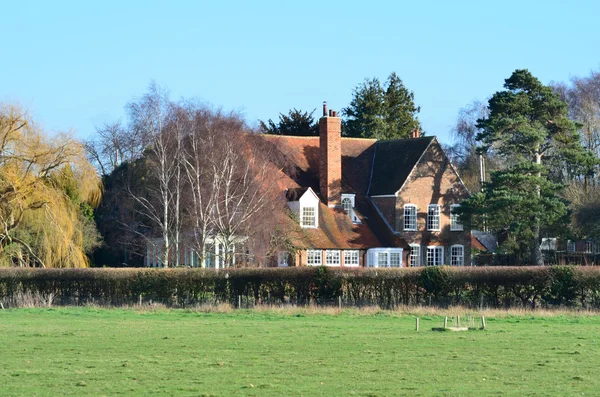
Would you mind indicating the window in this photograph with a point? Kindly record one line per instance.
(410, 217)
(455, 223)
(283, 258)
(395, 259)
(351, 258)
(433, 217)
(435, 256)
(457, 255)
(415, 255)
(570, 246)
(332, 258)
(347, 204)
(588, 247)
(308, 217)
(382, 259)
(313, 257)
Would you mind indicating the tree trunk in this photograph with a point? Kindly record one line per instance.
(537, 257)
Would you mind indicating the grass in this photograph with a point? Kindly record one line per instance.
(91, 351)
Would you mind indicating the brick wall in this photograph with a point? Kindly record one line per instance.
(433, 182)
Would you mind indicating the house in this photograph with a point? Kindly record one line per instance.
(364, 202)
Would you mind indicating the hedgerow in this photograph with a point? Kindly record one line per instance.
(497, 287)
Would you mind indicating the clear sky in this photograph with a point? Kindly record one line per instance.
(76, 64)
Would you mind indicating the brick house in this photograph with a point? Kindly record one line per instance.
(364, 202)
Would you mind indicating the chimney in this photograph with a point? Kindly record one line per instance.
(330, 162)
(416, 133)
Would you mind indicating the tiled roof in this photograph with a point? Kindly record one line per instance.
(394, 160)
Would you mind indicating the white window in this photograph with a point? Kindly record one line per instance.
(570, 246)
(415, 255)
(308, 217)
(588, 247)
(313, 257)
(410, 217)
(455, 223)
(382, 259)
(332, 257)
(347, 204)
(283, 259)
(457, 255)
(351, 258)
(395, 260)
(435, 256)
(433, 217)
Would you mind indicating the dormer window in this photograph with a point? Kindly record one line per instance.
(304, 204)
(348, 205)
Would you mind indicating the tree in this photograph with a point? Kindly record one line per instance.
(295, 123)
(47, 190)
(382, 112)
(529, 129)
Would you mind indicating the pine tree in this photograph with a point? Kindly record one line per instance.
(296, 123)
(382, 112)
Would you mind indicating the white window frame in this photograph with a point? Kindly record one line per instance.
(455, 223)
(457, 255)
(351, 258)
(415, 255)
(314, 257)
(350, 198)
(589, 247)
(570, 246)
(410, 219)
(347, 205)
(314, 217)
(397, 255)
(433, 217)
(333, 258)
(375, 256)
(436, 259)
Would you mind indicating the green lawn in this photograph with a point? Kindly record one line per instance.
(86, 351)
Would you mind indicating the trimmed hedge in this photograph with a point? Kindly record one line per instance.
(469, 286)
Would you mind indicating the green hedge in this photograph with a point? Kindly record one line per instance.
(388, 288)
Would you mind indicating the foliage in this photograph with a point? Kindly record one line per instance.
(529, 129)
(382, 112)
(469, 286)
(295, 123)
(47, 188)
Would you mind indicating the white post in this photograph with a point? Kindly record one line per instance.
(417, 324)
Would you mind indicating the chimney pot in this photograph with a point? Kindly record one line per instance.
(330, 113)
(324, 108)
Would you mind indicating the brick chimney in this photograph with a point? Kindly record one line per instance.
(330, 162)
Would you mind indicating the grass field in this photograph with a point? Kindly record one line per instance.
(87, 351)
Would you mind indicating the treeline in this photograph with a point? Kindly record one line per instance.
(497, 287)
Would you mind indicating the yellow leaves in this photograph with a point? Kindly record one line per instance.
(43, 180)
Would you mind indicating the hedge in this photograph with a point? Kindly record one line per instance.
(501, 287)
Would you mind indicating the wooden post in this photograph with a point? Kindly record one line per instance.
(458, 321)
(482, 322)
(140, 299)
(239, 301)
(445, 322)
(417, 324)
(340, 302)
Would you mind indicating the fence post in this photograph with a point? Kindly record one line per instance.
(239, 301)
(445, 322)
(482, 322)
(417, 324)
(340, 302)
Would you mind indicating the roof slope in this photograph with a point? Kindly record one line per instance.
(394, 160)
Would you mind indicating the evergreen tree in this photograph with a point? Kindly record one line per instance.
(296, 123)
(528, 127)
(382, 112)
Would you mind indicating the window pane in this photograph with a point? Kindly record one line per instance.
(410, 217)
(435, 256)
(455, 223)
(347, 204)
(433, 217)
(382, 259)
(395, 259)
(350, 258)
(308, 216)
(332, 258)
(415, 255)
(313, 257)
(457, 255)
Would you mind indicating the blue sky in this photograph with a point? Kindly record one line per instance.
(76, 64)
